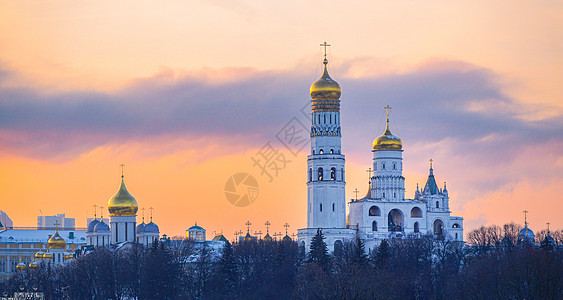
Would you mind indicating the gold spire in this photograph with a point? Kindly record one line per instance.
(122, 203)
(387, 141)
(325, 88)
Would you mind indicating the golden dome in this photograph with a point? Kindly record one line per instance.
(21, 266)
(268, 238)
(122, 203)
(387, 141)
(39, 255)
(47, 255)
(325, 88)
(33, 265)
(56, 242)
(69, 256)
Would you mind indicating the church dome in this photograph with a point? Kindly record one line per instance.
(286, 238)
(33, 265)
(39, 255)
(21, 266)
(122, 203)
(56, 242)
(151, 227)
(325, 88)
(526, 234)
(267, 238)
(48, 255)
(92, 224)
(141, 227)
(387, 141)
(101, 227)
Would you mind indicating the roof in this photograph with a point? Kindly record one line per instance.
(431, 185)
(220, 238)
(40, 236)
(196, 227)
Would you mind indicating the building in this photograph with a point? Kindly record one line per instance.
(196, 233)
(384, 212)
(30, 247)
(122, 228)
(5, 220)
(44, 222)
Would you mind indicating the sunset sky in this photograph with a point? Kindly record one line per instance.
(186, 93)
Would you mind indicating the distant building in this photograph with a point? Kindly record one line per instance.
(44, 222)
(23, 248)
(5, 220)
(196, 233)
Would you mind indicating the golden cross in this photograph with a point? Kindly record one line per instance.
(369, 172)
(57, 225)
(431, 160)
(388, 108)
(356, 192)
(325, 45)
(151, 209)
(267, 226)
(95, 211)
(547, 227)
(101, 212)
(143, 209)
(122, 166)
(286, 227)
(248, 226)
(525, 217)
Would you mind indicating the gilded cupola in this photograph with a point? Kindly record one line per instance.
(387, 141)
(325, 88)
(122, 203)
(56, 242)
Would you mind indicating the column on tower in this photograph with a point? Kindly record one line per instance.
(123, 215)
(326, 181)
(388, 182)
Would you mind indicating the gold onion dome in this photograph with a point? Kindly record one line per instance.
(39, 255)
(21, 266)
(47, 255)
(56, 242)
(387, 141)
(122, 203)
(325, 88)
(33, 265)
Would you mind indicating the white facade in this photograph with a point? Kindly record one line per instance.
(123, 229)
(326, 180)
(384, 212)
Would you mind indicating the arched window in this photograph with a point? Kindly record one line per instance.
(320, 174)
(375, 166)
(342, 174)
(437, 204)
(456, 236)
(332, 173)
(383, 194)
(374, 211)
(321, 151)
(313, 152)
(394, 195)
(395, 220)
(394, 166)
(374, 226)
(310, 174)
(438, 227)
(331, 151)
(332, 206)
(321, 207)
(338, 248)
(383, 166)
(416, 227)
(416, 212)
(330, 120)
(456, 225)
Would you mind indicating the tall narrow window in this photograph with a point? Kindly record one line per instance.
(437, 204)
(374, 226)
(416, 227)
(321, 207)
(310, 174)
(383, 166)
(331, 151)
(394, 166)
(332, 206)
(320, 174)
(332, 173)
(321, 151)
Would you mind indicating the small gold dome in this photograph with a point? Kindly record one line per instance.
(33, 265)
(56, 242)
(21, 266)
(69, 256)
(325, 88)
(122, 203)
(387, 141)
(47, 255)
(268, 238)
(39, 255)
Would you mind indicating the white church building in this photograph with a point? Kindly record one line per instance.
(384, 212)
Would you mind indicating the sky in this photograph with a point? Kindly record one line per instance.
(187, 94)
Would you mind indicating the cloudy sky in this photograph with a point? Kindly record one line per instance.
(187, 93)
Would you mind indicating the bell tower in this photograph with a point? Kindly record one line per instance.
(326, 178)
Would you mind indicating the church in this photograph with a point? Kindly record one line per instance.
(384, 212)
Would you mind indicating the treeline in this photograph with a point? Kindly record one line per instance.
(417, 268)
